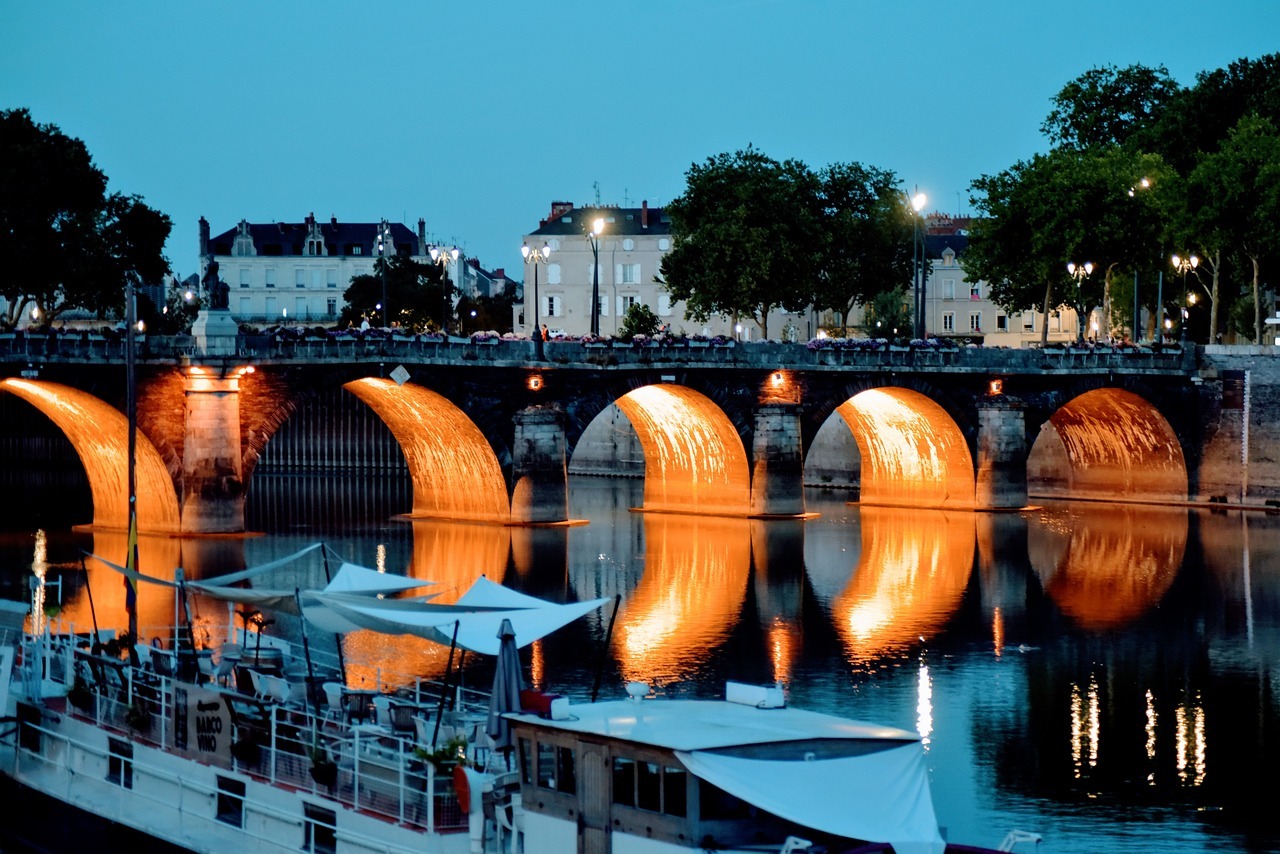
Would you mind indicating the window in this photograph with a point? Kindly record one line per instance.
(975, 321)
(554, 306)
(1029, 322)
(244, 306)
(355, 249)
(271, 307)
(230, 807)
(948, 288)
(331, 306)
(244, 278)
(300, 278)
(664, 305)
(553, 274)
(948, 321)
(664, 244)
(554, 243)
(320, 831)
(625, 302)
(1002, 323)
(604, 306)
(628, 245)
(566, 771)
(649, 786)
(596, 271)
(300, 306)
(975, 290)
(271, 277)
(331, 278)
(120, 762)
(629, 274)
(546, 776)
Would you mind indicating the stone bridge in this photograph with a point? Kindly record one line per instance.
(487, 430)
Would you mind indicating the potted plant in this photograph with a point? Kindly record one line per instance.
(445, 757)
(80, 695)
(323, 769)
(138, 716)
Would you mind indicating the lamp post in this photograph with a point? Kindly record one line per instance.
(536, 257)
(383, 233)
(593, 235)
(1184, 266)
(1079, 272)
(918, 202)
(443, 257)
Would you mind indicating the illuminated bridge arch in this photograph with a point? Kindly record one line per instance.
(1108, 443)
(694, 458)
(912, 451)
(454, 470)
(100, 435)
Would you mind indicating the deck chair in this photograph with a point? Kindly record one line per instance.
(161, 663)
(382, 710)
(401, 717)
(335, 709)
(259, 685)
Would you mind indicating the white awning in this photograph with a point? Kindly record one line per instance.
(351, 578)
(881, 796)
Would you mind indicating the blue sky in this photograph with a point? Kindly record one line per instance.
(475, 116)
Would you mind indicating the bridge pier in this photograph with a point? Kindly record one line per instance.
(212, 477)
(777, 472)
(540, 472)
(1000, 481)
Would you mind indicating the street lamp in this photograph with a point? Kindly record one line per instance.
(384, 234)
(1184, 266)
(918, 202)
(536, 257)
(1144, 184)
(593, 235)
(1079, 272)
(443, 257)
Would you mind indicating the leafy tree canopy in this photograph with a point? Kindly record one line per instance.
(68, 242)
(1108, 106)
(416, 296)
(745, 237)
(639, 320)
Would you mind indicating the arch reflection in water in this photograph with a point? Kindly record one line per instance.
(694, 458)
(912, 453)
(1105, 565)
(908, 579)
(451, 554)
(688, 600)
(100, 434)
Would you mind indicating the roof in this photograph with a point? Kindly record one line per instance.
(935, 244)
(709, 724)
(291, 237)
(620, 221)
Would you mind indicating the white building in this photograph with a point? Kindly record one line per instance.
(630, 250)
(299, 271)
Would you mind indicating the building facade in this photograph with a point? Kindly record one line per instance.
(298, 272)
(626, 260)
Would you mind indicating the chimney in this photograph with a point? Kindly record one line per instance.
(204, 237)
(333, 220)
(422, 236)
(644, 214)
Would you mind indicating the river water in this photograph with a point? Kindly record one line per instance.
(1101, 675)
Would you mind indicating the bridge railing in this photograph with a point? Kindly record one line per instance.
(36, 348)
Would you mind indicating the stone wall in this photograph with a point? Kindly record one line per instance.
(1235, 464)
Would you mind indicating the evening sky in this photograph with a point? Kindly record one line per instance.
(476, 116)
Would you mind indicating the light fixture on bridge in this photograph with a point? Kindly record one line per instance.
(996, 387)
(777, 379)
(535, 382)
(196, 370)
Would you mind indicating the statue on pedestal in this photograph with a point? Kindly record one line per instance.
(219, 292)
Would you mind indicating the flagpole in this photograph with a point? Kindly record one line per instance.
(131, 411)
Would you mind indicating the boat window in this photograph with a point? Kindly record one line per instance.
(230, 801)
(526, 761)
(675, 785)
(320, 833)
(624, 781)
(120, 763)
(566, 772)
(649, 786)
(546, 765)
(716, 803)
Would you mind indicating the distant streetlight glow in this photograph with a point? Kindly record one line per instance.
(536, 257)
(597, 228)
(444, 257)
(1184, 266)
(1079, 272)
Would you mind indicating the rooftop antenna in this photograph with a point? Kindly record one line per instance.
(596, 184)
(626, 198)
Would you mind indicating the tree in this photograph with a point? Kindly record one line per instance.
(1109, 106)
(415, 295)
(745, 238)
(639, 320)
(1067, 206)
(866, 234)
(1233, 202)
(67, 242)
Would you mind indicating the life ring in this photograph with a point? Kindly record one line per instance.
(462, 787)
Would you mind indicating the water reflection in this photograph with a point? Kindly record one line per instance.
(1106, 566)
